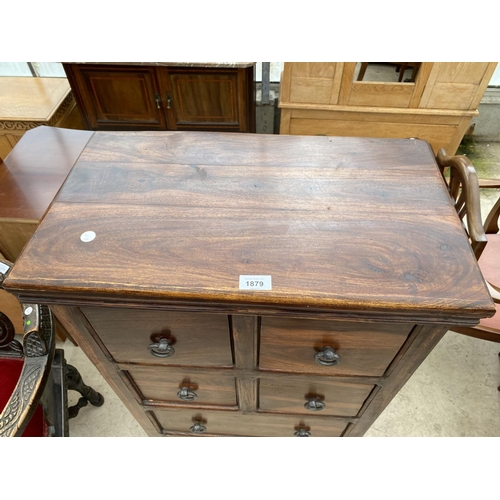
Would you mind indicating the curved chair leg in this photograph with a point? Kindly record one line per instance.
(75, 383)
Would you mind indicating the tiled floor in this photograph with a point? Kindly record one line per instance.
(453, 393)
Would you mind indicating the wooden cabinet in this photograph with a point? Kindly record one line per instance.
(324, 98)
(165, 96)
(357, 294)
(30, 177)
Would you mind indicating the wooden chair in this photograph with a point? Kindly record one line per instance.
(34, 376)
(463, 186)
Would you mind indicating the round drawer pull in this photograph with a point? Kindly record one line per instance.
(186, 395)
(198, 428)
(314, 404)
(302, 433)
(327, 357)
(161, 349)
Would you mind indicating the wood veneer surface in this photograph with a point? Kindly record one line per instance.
(356, 225)
(34, 171)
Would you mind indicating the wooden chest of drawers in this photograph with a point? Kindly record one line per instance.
(357, 266)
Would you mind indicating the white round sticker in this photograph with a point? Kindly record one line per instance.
(87, 236)
(28, 310)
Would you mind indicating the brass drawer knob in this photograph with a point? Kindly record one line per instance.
(198, 428)
(314, 404)
(327, 357)
(161, 349)
(186, 395)
(302, 433)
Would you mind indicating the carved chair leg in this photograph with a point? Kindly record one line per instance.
(75, 382)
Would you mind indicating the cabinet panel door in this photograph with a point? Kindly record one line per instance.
(200, 99)
(119, 98)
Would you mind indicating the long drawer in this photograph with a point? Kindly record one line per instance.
(329, 347)
(199, 422)
(162, 337)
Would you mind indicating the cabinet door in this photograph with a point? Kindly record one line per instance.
(214, 99)
(117, 97)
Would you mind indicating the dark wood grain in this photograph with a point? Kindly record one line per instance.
(245, 334)
(365, 249)
(227, 423)
(290, 395)
(162, 385)
(203, 99)
(117, 98)
(365, 349)
(35, 170)
(30, 177)
(165, 96)
(245, 339)
(77, 325)
(198, 340)
(303, 224)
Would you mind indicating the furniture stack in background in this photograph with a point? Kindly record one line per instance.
(324, 98)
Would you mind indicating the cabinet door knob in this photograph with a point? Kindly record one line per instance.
(186, 395)
(157, 100)
(169, 101)
(314, 404)
(198, 428)
(161, 349)
(302, 433)
(327, 357)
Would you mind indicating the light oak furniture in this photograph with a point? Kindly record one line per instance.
(256, 285)
(26, 103)
(165, 96)
(322, 98)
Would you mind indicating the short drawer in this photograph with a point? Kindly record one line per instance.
(162, 338)
(296, 345)
(319, 396)
(234, 424)
(183, 387)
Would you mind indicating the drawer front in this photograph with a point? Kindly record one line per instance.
(230, 424)
(183, 387)
(163, 338)
(324, 396)
(295, 345)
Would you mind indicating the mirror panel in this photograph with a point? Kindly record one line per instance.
(402, 72)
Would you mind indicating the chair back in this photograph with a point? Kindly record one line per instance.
(463, 187)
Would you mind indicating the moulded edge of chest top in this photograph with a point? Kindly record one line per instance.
(440, 317)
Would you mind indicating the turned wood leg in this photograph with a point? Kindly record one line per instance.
(75, 382)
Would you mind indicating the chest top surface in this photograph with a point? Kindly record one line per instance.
(354, 225)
